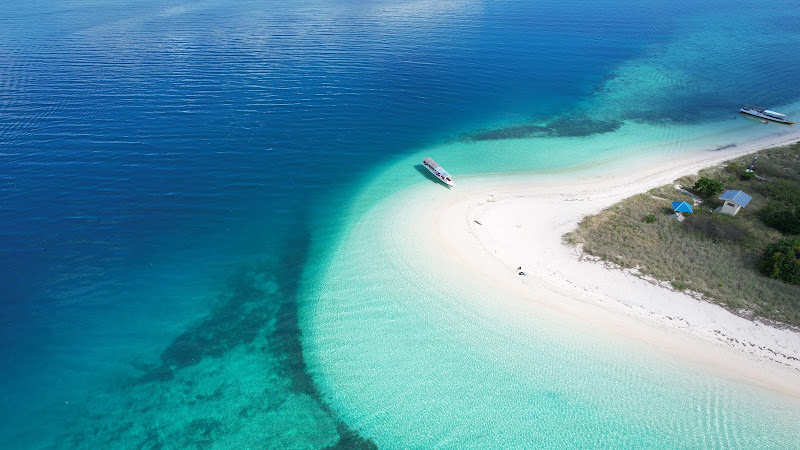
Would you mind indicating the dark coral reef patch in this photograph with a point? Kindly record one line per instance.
(572, 126)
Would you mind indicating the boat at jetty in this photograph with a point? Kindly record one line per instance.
(438, 171)
(765, 114)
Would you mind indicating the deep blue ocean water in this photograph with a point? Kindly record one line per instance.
(163, 165)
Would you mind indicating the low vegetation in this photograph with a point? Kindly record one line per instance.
(782, 216)
(781, 261)
(746, 263)
(707, 187)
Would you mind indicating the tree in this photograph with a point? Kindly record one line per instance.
(781, 216)
(781, 261)
(708, 187)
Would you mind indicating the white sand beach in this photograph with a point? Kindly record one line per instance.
(491, 227)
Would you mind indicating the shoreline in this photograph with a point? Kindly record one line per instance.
(419, 320)
(499, 225)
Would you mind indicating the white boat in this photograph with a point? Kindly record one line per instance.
(438, 171)
(765, 114)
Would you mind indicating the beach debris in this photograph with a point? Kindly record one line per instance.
(476, 221)
(695, 199)
(752, 164)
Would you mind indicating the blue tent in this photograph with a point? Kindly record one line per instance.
(682, 207)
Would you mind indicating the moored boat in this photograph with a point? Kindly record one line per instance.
(438, 171)
(765, 114)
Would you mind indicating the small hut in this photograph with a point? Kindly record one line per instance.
(734, 201)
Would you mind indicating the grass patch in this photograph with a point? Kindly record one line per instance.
(709, 253)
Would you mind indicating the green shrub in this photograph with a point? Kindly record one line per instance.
(747, 175)
(781, 261)
(781, 216)
(650, 218)
(707, 187)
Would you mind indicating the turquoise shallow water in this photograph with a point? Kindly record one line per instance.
(412, 353)
(179, 181)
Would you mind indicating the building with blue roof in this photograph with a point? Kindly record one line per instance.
(734, 201)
